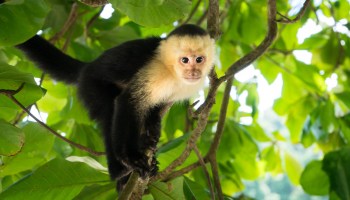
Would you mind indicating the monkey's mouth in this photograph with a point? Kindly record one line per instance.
(192, 79)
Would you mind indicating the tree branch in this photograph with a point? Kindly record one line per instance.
(192, 12)
(286, 20)
(68, 24)
(10, 94)
(95, 3)
(205, 170)
(259, 50)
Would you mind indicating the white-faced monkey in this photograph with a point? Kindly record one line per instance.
(128, 87)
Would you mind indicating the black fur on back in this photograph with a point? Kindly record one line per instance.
(188, 29)
(51, 60)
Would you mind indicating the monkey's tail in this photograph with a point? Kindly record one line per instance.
(51, 60)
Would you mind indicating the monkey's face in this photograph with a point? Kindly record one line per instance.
(190, 67)
(189, 58)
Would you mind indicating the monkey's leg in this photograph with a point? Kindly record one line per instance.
(150, 137)
(98, 96)
(126, 134)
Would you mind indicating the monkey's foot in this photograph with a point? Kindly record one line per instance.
(139, 163)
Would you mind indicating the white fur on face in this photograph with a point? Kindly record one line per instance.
(164, 77)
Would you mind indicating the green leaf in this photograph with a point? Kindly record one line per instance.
(169, 152)
(344, 97)
(153, 13)
(314, 180)
(337, 164)
(314, 41)
(269, 69)
(57, 179)
(345, 127)
(330, 53)
(11, 139)
(98, 192)
(87, 136)
(271, 156)
(246, 166)
(11, 79)
(193, 190)
(175, 119)
(250, 18)
(37, 146)
(21, 19)
(75, 110)
(172, 190)
(293, 168)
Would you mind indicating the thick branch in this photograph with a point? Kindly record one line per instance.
(236, 67)
(202, 122)
(213, 19)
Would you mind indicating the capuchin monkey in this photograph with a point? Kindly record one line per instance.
(129, 87)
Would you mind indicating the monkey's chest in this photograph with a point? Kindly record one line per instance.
(173, 91)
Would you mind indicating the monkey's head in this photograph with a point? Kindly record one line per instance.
(189, 53)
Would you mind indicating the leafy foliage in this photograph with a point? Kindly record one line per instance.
(304, 135)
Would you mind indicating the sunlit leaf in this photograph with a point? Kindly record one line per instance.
(293, 168)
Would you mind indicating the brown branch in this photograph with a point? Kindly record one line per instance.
(212, 24)
(134, 187)
(215, 171)
(218, 135)
(222, 118)
(205, 108)
(213, 19)
(73, 15)
(205, 170)
(259, 50)
(202, 122)
(94, 3)
(10, 94)
(286, 20)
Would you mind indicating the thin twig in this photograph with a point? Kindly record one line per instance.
(286, 20)
(202, 18)
(259, 50)
(202, 122)
(192, 12)
(68, 24)
(95, 3)
(218, 135)
(205, 170)
(215, 170)
(10, 94)
(222, 117)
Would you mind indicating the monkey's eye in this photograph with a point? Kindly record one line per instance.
(185, 60)
(199, 59)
